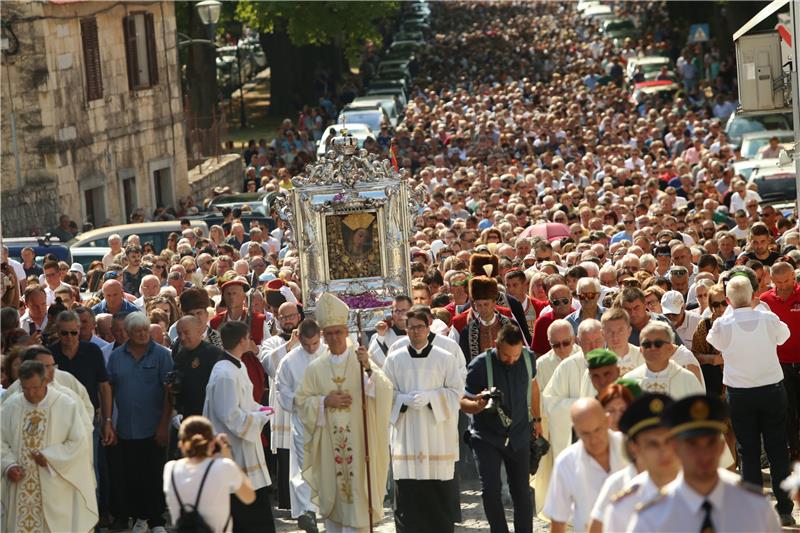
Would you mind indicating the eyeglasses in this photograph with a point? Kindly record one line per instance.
(629, 221)
(658, 343)
(717, 305)
(587, 296)
(159, 266)
(562, 344)
(418, 327)
(65, 332)
(559, 301)
(287, 317)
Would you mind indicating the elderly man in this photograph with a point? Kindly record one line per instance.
(784, 300)
(115, 243)
(570, 382)
(562, 342)
(560, 299)
(617, 331)
(660, 373)
(581, 469)
(684, 322)
(193, 357)
(45, 443)
(195, 302)
(148, 288)
(138, 371)
(113, 300)
(330, 407)
(748, 339)
(589, 291)
(424, 375)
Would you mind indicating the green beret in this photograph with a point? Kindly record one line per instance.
(632, 385)
(601, 357)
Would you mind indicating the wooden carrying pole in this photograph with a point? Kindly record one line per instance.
(364, 418)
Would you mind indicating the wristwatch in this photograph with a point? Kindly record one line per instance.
(536, 419)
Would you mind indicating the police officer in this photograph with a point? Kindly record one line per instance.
(501, 434)
(695, 500)
(654, 459)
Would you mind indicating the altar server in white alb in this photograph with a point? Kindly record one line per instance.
(48, 485)
(329, 404)
(386, 335)
(231, 409)
(290, 374)
(429, 384)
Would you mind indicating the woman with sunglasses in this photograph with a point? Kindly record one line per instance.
(710, 358)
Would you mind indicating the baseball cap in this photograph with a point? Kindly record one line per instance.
(672, 302)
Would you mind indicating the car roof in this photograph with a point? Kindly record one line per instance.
(767, 134)
(130, 229)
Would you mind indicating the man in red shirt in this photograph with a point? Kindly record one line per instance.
(561, 303)
(784, 300)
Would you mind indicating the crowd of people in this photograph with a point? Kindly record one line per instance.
(602, 325)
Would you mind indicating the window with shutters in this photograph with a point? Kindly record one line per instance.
(140, 50)
(91, 59)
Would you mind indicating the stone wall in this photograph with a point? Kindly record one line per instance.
(227, 172)
(29, 208)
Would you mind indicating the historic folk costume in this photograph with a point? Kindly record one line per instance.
(480, 333)
(333, 458)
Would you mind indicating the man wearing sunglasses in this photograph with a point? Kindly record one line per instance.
(588, 290)
(659, 373)
(561, 303)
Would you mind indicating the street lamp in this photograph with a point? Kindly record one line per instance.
(209, 10)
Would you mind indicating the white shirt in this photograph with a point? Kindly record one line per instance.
(223, 479)
(611, 488)
(734, 507)
(622, 506)
(737, 202)
(19, 271)
(686, 330)
(25, 322)
(684, 358)
(577, 480)
(748, 339)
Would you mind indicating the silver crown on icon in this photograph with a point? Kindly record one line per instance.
(344, 143)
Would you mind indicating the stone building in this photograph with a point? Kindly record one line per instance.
(92, 113)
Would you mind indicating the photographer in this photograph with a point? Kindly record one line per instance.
(205, 478)
(194, 358)
(498, 394)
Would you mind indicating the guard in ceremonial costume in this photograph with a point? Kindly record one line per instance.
(580, 471)
(429, 383)
(655, 465)
(481, 331)
(602, 368)
(385, 335)
(703, 497)
(329, 405)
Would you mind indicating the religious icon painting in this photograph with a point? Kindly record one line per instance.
(354, 249)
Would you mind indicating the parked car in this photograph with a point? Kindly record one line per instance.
(650, 66)
(372, 116)
(216, 219)
(776, 184)
(86, 255)
(154, 232)
(599, 12)
(662, 88)
(619, 29)
(738, 124)
(583, 5)
(41, 247)
(753, 142)
(255, 200)
(388, 104)
(358, 130)
(746, 167)
(379, 83)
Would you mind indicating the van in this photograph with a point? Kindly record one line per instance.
(41, 246)
(154, 232)
(388, 104)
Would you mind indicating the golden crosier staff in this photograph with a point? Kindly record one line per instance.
(364, 418)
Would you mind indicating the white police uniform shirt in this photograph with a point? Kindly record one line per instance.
(735, 506)
(621, 506)
(577, 479)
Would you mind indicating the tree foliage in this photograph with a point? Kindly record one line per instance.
(347, 25)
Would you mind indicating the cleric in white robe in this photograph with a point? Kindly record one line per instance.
(429, 384)
(48, 485)
(290, 374)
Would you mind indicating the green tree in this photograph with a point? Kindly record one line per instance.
(299, 37)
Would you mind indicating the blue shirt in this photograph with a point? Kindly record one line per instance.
(575, 318)
(621, 236)
(127, 307)
(139, 389)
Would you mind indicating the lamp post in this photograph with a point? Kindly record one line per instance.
(208, 11)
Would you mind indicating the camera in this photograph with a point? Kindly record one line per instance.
(174, 378)
(494, 399)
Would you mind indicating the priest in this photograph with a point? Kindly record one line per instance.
(429, 384)
(329, 405)
(290, 374)
(48, 485)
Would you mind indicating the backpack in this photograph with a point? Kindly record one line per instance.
(190, 519)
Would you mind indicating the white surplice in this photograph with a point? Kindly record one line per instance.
(231, 409)
(60, 496)
(569, 383)
(425, 440)
(440, 341)
(630, 360)
(673, 380)
(381, 345)
(272, 351)
(289, 376)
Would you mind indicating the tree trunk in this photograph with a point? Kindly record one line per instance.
(285, 65)
(202, 76)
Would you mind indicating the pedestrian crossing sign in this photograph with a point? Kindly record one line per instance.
(698, 33)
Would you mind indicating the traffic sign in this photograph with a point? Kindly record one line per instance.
(699, 33)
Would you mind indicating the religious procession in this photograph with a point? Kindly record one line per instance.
(555, 287)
